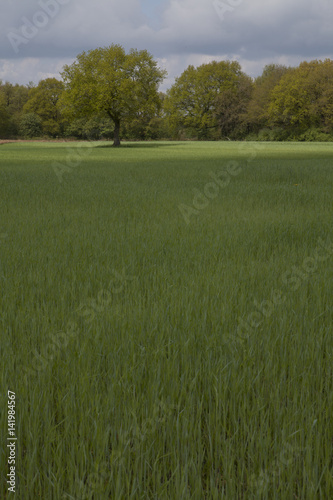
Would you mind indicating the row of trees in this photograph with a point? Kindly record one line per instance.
(108, 94)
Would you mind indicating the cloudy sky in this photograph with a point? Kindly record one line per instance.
(37, 37)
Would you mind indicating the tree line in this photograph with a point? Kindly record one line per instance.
(110, 94)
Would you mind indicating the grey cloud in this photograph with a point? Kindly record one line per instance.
(253, 31)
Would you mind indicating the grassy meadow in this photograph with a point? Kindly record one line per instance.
(167, 336)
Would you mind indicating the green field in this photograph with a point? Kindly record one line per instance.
(131, 334)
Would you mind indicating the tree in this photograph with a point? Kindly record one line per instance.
(304, 98)
(14, 98)
(95, 128)
(149, 126)
(191, 101)
(3, 114)
(257, 111)
(321, 89)
(107, 80)
(231, 107)
(31, 125)
(43, 101)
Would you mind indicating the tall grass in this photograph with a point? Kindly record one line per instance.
(150, 391)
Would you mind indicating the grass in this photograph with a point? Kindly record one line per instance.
(121, 323)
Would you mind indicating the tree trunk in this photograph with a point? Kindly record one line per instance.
(116, 136)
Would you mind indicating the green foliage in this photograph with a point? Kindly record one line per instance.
(134, 129)
(16, 97)
(257, 115)
(95, 128)
(31, 125)
(231, 108)
(108, 93)
(51, 128)
(4, 117)
(44, 102)
(107, 80)
(13, 98)
(157, 129)
(315, 135)
(191, 101)
(149, 129)
(303, 98)
(271, 135)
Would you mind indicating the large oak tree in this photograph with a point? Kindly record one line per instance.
(107, 80)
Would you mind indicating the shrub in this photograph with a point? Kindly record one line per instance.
(315, 135)
(31, 125)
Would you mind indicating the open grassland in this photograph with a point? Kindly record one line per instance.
(157, 355)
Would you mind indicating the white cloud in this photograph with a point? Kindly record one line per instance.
(31, 69)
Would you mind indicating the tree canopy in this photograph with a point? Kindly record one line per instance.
(303, 98)
(43, 101)
(257, 111)
(3, 113)
(191, 101)
(12, 100)
(107, 93)
(107, 80)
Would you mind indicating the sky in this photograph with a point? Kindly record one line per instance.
(38, 37)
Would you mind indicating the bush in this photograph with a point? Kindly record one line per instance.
(93, 129)
(51, 128)
(156, 129)
(272, 135)
(31, 125)
(315, 135)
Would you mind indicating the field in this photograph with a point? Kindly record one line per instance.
(166, 320)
